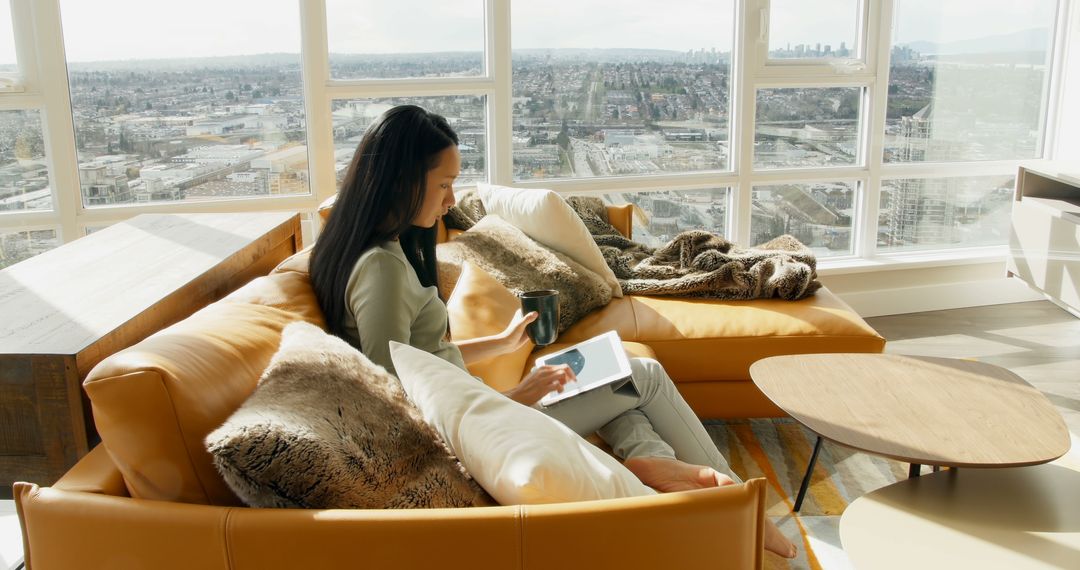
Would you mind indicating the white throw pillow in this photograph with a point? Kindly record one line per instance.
(545, 217)
(516, 453)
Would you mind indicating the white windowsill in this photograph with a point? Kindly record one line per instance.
(914, 260)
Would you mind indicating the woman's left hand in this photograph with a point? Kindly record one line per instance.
(515, 336)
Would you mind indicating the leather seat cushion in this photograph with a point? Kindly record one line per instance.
(713, 340)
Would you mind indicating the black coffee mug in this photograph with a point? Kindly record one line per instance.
(545, 329)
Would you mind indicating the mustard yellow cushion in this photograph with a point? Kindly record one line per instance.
(154, 402)
(481, 306)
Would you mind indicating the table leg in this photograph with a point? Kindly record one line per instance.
(806, 478)
(914, 470)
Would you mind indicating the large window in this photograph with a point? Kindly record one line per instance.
(621, 88)
(183, 107)
(24, 173)
(672, 211)
(829, 30)
(807, 127)
(466, 114)
(946, 212)
(865, 128)
(405, 38)
(16, 246)
(8, 63)
(968, 81)
(819, 215)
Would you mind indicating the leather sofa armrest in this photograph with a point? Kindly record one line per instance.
(94, 473)
(325, 207)
(711, 527)
(622, 217)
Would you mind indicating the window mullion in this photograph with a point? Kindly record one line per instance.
(20, 101)
(315, 75)
(101, 215)
(17, 221)
(686, 181)
(946, 169)
(500, 105)
(748, 23)
(59, 127)
(878, 41)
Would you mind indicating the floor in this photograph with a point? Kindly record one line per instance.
(10, 537)
(1038, 341)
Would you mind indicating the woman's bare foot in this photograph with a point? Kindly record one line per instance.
(777, 543)
(670, 475)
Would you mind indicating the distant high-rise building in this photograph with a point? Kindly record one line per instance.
(922, 208)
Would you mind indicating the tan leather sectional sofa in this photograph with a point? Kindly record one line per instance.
(149, 497)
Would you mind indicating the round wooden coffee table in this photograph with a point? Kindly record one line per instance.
(920, 410)
(1026, 517)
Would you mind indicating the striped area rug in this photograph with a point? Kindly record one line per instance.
(779, 449)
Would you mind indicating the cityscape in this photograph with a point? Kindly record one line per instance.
(209, 129)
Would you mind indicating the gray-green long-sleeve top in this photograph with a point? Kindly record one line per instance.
(386, 302)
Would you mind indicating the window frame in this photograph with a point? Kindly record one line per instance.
(867, 21)
(38, 27)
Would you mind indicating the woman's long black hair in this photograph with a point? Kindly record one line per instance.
(382, 193)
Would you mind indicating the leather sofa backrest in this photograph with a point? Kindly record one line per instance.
(155, 402)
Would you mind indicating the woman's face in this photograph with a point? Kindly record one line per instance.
(439, 191)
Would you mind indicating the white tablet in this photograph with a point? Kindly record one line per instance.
(596, 362)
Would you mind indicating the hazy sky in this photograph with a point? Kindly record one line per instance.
(146, 29)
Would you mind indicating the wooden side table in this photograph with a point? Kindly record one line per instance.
(920, 410)
(67, 309)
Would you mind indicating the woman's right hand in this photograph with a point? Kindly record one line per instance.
(539, 382)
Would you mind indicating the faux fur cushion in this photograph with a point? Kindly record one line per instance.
(521, 264)
(327, 428)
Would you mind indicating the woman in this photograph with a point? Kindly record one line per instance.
(373, 270)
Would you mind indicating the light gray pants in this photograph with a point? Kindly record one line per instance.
(646, 417)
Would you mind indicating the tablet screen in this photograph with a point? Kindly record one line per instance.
(596, 361)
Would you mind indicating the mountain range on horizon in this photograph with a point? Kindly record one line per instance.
(1030, 40)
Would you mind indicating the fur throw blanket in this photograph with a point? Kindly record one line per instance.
(695, 263)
